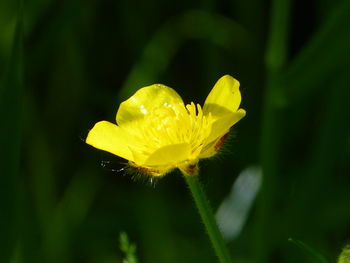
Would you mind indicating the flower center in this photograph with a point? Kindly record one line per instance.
(166, 125)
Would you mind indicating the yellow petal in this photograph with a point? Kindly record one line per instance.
(111, 138)
(159, 171)
(169, 155)
(209, 150)
(219, 128)
(224, 98)
(146, 99)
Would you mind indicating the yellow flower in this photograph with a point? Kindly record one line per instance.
(157, 133)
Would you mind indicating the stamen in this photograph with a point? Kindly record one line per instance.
(166, 126)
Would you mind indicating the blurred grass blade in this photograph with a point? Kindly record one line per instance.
(272, 127)
(315, 254)
(10, 115)
(233, 211)
(326, 53)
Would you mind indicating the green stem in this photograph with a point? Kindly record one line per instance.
(271, 134)
(208, 219)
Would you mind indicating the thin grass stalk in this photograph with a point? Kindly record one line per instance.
(276, 53)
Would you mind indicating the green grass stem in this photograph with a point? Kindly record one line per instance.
(208, 219)
(275, 60)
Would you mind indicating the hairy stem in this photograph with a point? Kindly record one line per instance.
(208, 218)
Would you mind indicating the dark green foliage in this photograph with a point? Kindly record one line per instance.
(11, 92)
(66, 64)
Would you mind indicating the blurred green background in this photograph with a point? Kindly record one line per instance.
(65, 65)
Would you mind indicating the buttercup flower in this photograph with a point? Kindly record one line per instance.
(156, 132)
